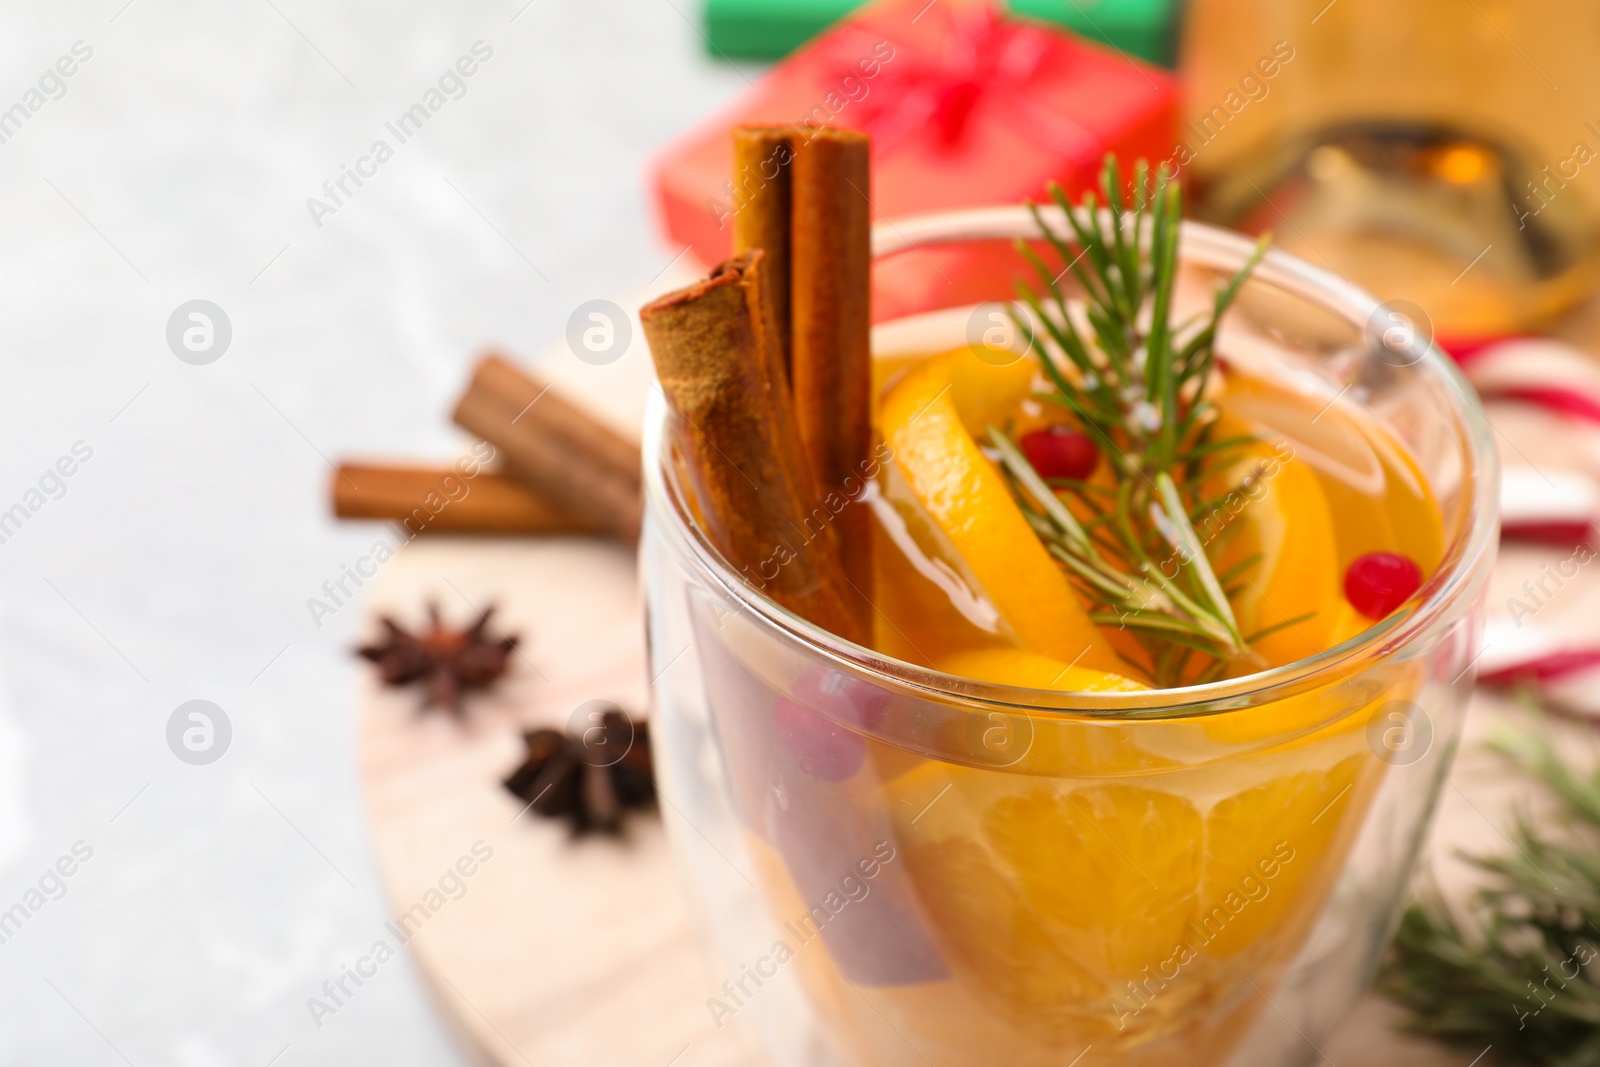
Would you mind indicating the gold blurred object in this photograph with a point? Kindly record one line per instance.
(1436, 151)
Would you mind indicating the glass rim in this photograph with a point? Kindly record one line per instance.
(1447, 595)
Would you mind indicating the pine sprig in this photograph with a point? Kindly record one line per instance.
(1520, 969)
(1136, 384)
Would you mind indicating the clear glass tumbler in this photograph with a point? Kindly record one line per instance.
(901, 867)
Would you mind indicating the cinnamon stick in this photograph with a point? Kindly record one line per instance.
(718, 361)
(761, 174)
(805, 204)
(555, 448)
(831, 358)
(448, 500)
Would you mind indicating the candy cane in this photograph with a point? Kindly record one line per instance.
(1556, 507)
(1538, 370)
(1559, 507)
(1565, 673)
(1551, 375)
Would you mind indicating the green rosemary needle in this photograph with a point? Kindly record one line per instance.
(1136, 384)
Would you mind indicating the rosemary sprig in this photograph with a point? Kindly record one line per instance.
(1520, 969)
(1136, 384)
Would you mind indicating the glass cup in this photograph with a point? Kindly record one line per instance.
(901, 867)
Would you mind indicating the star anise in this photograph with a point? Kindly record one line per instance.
(591, 778)
(448, 662)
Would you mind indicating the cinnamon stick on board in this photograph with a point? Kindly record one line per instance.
(716, 356)
(813, 218)
(555, 448)
(448, 500)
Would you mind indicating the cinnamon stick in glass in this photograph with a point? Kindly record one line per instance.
(805, 204)
(761, 176)
(830, 345)
(556, 448)
(718, 360)
(447, 500)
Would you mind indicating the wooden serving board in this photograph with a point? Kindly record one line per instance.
(587, 952)
(560, 950)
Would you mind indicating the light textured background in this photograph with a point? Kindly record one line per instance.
(179, 561)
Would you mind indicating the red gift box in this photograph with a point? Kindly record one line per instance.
(966, 107)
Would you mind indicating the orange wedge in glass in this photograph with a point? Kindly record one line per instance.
(1273, 508)
(1112, 910)
(931, 419)
(1031, 670)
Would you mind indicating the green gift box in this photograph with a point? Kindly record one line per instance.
(1144, 28)
(768, 29)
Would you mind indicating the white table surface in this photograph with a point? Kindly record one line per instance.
(179, 561)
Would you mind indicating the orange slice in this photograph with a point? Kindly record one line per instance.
(1118, 910)
(1031, 670)
(1057, 745)
(1114, 868)
(1045, 897)
(1280, 515)
(1266, 863)
(929, 419)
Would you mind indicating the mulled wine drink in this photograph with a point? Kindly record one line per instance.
(1122, 751)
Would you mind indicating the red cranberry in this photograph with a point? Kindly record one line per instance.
(1379, 582)
(815, 724)
(821, 747)
(1060, 452)
(841, 697)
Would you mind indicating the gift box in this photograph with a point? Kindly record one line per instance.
(966, 107)
(770, 29)
(1144, 28)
